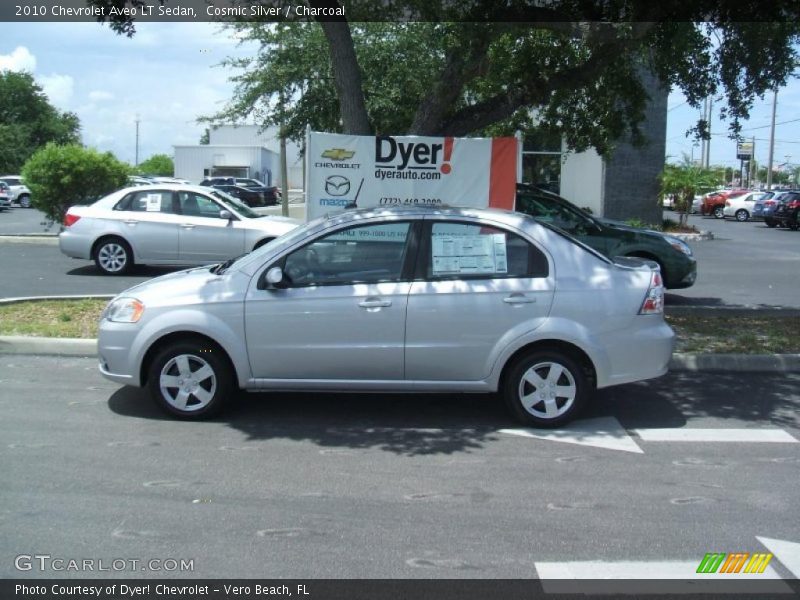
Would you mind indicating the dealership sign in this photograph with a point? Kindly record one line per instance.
(744, 150)
(367, 171)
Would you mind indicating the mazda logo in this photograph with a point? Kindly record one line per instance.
(336, 185)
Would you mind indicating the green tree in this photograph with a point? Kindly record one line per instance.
(158, 164)
(62, 176)
(28, 121)
(686, 180)
(490, 76)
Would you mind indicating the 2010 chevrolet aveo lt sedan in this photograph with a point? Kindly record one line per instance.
(396, 300)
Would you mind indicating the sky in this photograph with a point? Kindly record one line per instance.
(166, 76)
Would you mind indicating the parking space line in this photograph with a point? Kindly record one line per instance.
(715, 435)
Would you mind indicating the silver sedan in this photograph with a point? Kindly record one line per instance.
(397, 300)
(166, 224)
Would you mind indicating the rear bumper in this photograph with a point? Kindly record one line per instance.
(75, 245)
(646, 356)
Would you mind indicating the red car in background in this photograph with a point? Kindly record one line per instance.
(714, 202)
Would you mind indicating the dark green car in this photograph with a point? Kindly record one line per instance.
(612, 238)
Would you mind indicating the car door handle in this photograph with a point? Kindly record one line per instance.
(131, 222)
(187, 225)
(374, 303)
(519, 299)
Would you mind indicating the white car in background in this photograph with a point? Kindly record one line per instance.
(741, 207)
(19, 191)
(166, 224)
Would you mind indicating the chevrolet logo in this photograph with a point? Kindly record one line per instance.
(338, 154)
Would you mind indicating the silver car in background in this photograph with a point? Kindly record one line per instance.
(166, 224)
(396, 300)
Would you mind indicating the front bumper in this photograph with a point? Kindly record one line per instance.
(115, 361)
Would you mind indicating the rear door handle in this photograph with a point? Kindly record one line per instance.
(374, 303)
(131, 222)
(519, 299)
(187, 225)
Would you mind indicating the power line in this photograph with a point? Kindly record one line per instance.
(765, 126)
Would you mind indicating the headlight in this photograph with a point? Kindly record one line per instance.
(124, 310)
(679, 245)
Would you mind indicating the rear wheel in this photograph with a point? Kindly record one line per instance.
(190, 379)
(770, 223)
(545, 388)
(24, 201)
(113, 256)
(742, 215)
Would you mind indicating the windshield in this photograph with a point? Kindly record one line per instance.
(239, 207)
(563, 216)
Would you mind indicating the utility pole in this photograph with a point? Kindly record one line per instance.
(284, 176)
(137, 140)
(708, 143)
(704, 142)
(771, 140)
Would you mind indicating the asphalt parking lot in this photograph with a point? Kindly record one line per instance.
(747, 264)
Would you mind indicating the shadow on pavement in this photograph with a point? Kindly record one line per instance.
(137, 271)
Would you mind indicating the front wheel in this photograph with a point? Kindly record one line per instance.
(742, 215)
(719, 212)
(25, 201)
(190, 380)
(545, 389)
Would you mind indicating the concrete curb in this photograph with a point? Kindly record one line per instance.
(38, 298)
(29, 239)
(20, 344)
(691, 237)
(738, 363)
(732, 363)
(678, 310)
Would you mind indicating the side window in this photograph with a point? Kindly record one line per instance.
(149, 201)
(366, 254)
(196, 205)
(466, 250)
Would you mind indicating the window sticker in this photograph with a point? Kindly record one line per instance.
(469, 254)
(153, 202)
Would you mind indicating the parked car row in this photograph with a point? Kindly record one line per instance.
(250, 191)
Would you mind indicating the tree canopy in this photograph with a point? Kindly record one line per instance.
(488, 67)
(28, 121)
(158, 164)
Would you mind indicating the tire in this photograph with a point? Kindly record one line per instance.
(770, 223)
(113, 256)
(202, 378)
(719, 212)
(519, 389)
(742, 215)
(24, 201)
(793, 225)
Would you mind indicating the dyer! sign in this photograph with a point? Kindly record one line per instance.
(366, 171)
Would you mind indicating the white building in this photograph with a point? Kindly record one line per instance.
(239, 151)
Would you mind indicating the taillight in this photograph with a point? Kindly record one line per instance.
(654, 299)
(70, 220)
(770, 202)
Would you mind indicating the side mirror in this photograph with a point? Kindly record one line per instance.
(275, 278)
(226, 214)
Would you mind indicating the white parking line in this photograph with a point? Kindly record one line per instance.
(788, 553)
(604, 432)
(715, 435)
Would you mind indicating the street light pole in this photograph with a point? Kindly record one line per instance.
(137, 141)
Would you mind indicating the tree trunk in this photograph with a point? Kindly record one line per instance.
(347, 78)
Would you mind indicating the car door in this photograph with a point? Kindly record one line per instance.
(341, 315)
(478, 288)
(146, 219)
(203, 236)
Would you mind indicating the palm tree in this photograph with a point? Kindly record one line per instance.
(685, 181)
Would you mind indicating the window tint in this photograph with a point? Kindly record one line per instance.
(459, 250)
(366, 254)
(555, 213)
(196, 205)
(149, 201)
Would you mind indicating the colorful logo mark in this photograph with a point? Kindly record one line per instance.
(338, 154)
(734, 562)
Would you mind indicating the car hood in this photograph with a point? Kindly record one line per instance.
(276, 225)
(190, 286)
